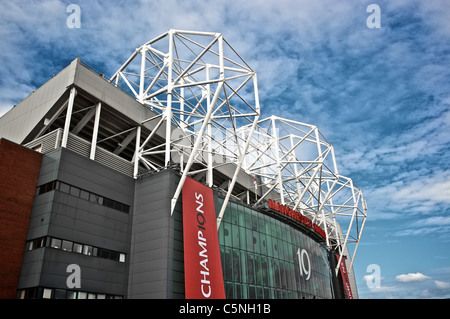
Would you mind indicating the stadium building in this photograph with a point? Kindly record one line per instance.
(163, 181)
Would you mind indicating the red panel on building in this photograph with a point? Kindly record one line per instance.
(202, 265)
(19, 171)
(345, 279)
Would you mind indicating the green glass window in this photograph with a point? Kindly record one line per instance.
(260, 257)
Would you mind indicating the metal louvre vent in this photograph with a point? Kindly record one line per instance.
(47, 142)
(78, 145)
(113, 161)
(52, 141)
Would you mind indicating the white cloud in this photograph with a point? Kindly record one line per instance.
(434, 188)
(332, 71)
(409, 286)
(411, 277)
(419, 196)
(443, 285)
(433, 221)
(385, 289)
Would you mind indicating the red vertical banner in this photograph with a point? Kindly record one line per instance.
(202, 266)
(344, 276)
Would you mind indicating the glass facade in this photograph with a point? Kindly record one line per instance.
(263, 257)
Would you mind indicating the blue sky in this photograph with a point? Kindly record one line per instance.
(380, 96)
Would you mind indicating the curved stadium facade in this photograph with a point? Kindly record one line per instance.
(164, 182)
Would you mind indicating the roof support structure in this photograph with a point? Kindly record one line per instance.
(98, 108)
(297, 167)
(65, 136)
(197, 86)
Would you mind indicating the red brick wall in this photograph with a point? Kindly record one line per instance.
(19, 171)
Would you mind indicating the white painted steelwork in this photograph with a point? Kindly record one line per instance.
(206, 105)
(294, 161)
(201, 91)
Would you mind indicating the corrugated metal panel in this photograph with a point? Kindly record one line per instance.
(79, 145)
(52, 141)
(46, 143)
(113, 161)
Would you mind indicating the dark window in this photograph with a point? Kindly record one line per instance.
(103, 253)
(116, 205)
(47, 187)
(50, 293)
(69, 246)
(36, 243)
(60, 294)
(108, 203)
(71, 294)
(114, 255)
(33, 293)
(125, 209)
(77, 192)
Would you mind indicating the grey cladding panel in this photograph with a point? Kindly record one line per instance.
(97, 274)
(79, 220)
(18, 122)
(96, 178)
(152, 237)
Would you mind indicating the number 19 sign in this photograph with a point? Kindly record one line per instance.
(304, 263)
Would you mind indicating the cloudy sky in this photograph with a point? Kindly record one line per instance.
(381, 96)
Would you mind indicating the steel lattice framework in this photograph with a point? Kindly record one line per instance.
(296, 162)
(197, 83)
(205, 100)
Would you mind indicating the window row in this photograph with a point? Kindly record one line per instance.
(241, 291)
(250, 219)
(244, 239)
(243, 267)
(67, 245)
(83, 194)
(259, 256)
(52, 293)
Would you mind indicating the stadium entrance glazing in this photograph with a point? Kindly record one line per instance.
(262, 257)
